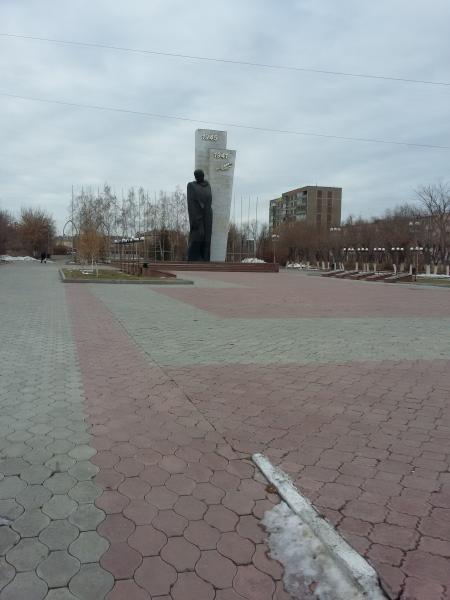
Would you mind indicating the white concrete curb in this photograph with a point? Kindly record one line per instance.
(346, 558)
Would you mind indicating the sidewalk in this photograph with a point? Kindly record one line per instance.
(129, 414)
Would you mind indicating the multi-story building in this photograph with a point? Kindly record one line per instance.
(315, 205)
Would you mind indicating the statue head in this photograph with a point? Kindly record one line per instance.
(199, 175)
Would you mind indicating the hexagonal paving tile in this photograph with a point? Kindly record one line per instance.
(87, 517)
(31, 523)
(60, 483)
(85, 491)
(58, 569)
(33, 496)
(91, 582)
(7, 572)
(27, 554)
(83, 470)
(59, 506)
(58, 535)
(11, 486)
(89, 547)
(8, 539)
(25, 585)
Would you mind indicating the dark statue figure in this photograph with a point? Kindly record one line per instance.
(199, 201)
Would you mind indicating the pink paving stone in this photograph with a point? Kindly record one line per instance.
(161, 497)
(180, 484)
(392, 535)
(226, 481)
(170, 523)
(124, 450)
(147, 540)
(253, 584)
(365, 511)
(238, 549)
(198, 473)
(147, 456)
(239, 502)
(208, 492)
(109, 479)
(121, 560)
(242, 468)
(172, 464)
(265, 564)
(105, 459)
(134, 488)
(253, 489)
(190, 507)
(141, 512)
(428, 567)
(222, 518)
(250, 528)
(112, 502)
(191, 455)
(129, 467)
(216, 569)
(155, 576)
(435, 546)
(127, 590)
(214, 461)
(416, 589)
(191, 587)
(180, 553)
(385, 554)
(202, 535)
(230, 594)
(154, 475)
(116, 528)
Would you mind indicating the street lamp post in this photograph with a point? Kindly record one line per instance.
(275, 239)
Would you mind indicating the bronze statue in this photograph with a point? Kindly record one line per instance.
(199, 201)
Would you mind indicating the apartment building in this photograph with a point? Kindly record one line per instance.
(315, 205)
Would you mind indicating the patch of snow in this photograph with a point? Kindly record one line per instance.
(252, 260)
(431, 276)
(309, 570)
(8, 258)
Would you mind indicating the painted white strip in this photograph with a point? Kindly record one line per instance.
(352, 564)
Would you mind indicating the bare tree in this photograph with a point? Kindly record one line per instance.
(36, 230)
(435, 201)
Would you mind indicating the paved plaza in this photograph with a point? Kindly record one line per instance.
(129, 414)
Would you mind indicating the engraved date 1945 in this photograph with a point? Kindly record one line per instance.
(210, 137)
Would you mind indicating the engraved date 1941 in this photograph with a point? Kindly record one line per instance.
(210, 137)
(221, 155)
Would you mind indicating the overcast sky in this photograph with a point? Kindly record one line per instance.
(46, 148)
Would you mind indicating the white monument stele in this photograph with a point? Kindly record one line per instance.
(212, 156)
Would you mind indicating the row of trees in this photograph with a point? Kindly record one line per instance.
(32, 233)
(400, 235)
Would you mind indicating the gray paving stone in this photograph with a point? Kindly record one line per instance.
(59, 506)
(60, 483)
(13, 466)
(40, 429)
(33, 496)
(31, 523)
(37, 441)
(91, 582)
(15, 450)
(38, 456)
(27, 554)
(25, 586)
(58, 535)
(8, 538)
(59, 447)
(82, 452)
(7, 572)
(87, 517)
(18, 436)
(89, 547)
(35, 474)
(11, 486)
(83, 470)
(58, 569)
(60, 594)
(60, 462)
(85, 491)
(61, 433)
(9, 509)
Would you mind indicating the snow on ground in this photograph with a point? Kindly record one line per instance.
(252, 260)
(309, 570)
(8, 258)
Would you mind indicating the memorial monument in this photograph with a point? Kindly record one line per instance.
(200, 217)
(217, 164)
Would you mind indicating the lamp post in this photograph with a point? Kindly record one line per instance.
(416, 250)
(275, 238)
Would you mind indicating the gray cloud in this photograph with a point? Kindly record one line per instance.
(47, 148)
